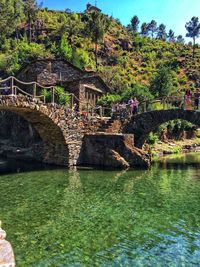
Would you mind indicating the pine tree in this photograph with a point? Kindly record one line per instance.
(97, 24)
(171, 36)
(144, 29)
(193, 28)
(10, 15)
(161, 34)
(152, 28)
(180, 39)
(134, 24)
(30, 9)
(162, 83)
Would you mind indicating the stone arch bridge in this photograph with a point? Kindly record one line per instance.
(142, 124)
(60, 128)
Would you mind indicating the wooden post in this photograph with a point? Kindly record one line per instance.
(145, 105)
(11, 85)
(72, 101)
(164, 103)
(87, 109)
(100, 111)
(34, 90)
(53, 96)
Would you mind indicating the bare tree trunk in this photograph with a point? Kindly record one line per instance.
(96, 59)
(30, 31)
(193, 52)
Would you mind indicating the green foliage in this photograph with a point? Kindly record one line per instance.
(126, 61)
(96, 25)
(152, 138)
(47, 94)
(162, 83)
(176, 150)
(176, 126)
(65, 49)
(140, 91)
(10, 15)
(62, 97)
(30, 51)
(81, 59)
(108, 99)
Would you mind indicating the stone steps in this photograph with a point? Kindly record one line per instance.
(106, 126)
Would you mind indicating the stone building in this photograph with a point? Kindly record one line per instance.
(90, 8)
(87, 87)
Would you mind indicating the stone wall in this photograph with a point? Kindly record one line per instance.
(113, 150)
(48, 72)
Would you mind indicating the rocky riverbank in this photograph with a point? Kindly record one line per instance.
(174, 147)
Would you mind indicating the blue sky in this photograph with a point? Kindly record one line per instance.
(173, 13)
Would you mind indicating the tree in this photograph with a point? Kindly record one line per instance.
(162, 83)
(180, 39)
(30, 9)
(134, 24)
(96, 25)
(171, 36)
(144, 29)
(161, 34)
(152, 27)
(72, 26)
(10, 15)
(193, 28)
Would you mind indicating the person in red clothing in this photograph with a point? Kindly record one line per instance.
(187, 99)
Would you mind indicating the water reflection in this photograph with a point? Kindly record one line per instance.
(17, 166)
(103, 218)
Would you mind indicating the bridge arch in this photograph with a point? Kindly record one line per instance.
(59, 128)
(142, 124)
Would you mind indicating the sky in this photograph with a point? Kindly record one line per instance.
(173, 13)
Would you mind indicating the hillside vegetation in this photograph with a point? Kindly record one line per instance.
(128, 61)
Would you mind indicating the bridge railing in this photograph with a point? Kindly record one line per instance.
(173, 102)
(11, 86)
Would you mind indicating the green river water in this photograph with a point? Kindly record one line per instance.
(104, 218)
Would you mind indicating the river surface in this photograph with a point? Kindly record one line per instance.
(83, 218)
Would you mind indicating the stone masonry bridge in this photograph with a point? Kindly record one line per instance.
(70, 138)
(59, 127)
(142, 124)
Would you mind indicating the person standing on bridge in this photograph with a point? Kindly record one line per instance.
(135, 106)
(130, 104)
(187, 99)
(196, 99)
